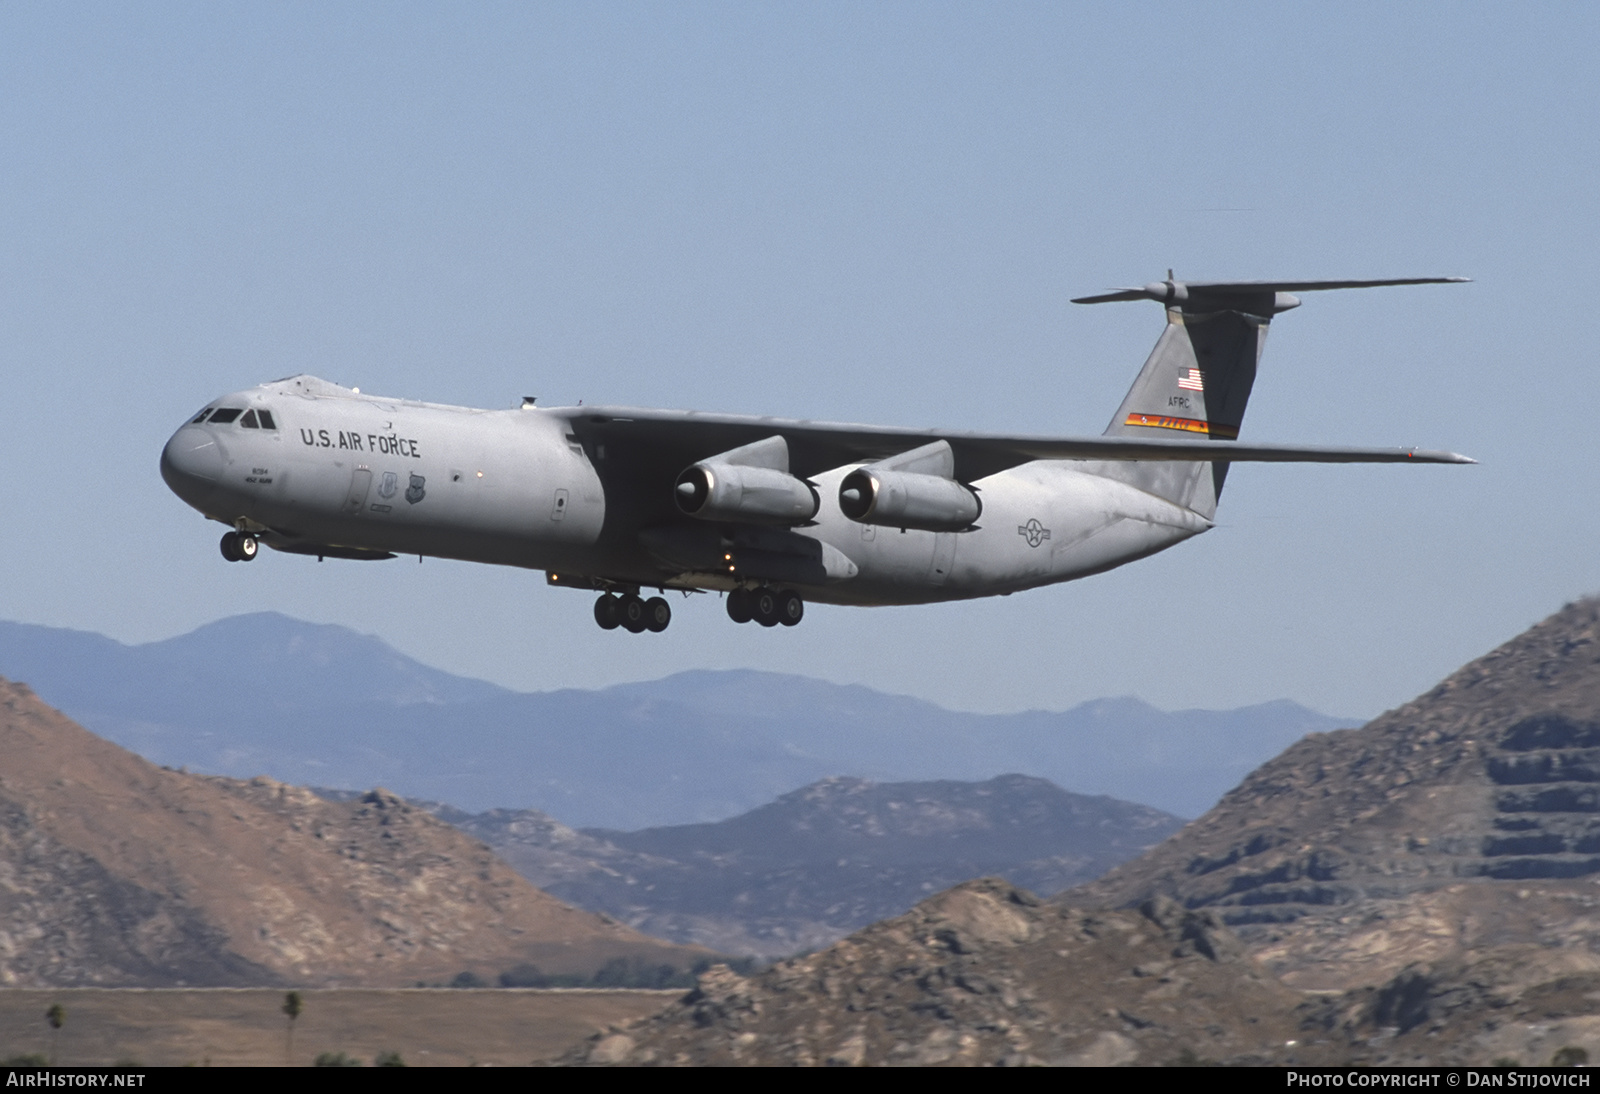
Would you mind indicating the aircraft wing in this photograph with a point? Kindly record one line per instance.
(677, 438)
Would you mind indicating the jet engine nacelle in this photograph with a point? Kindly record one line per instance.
(912, 490)
(749, 484)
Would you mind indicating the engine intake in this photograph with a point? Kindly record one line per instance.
(749, 484)
(912, 490)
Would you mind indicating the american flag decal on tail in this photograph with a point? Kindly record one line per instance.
(1192, 379)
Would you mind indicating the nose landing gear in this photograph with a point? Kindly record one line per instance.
(240, 547)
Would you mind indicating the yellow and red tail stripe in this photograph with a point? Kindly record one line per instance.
(1186, 425)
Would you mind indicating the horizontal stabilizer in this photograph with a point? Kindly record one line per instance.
(1260, 296)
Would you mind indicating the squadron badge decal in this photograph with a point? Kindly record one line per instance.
(388, 486)
(415, 492)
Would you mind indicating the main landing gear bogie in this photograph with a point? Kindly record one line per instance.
(766, 606)
(240, 547)
(632, 613)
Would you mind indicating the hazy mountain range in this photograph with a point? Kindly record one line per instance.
(323, 705)
(821, 861)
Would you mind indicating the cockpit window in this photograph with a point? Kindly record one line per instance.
(253, 419)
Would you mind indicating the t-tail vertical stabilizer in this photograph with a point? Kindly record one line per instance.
(1200, 374)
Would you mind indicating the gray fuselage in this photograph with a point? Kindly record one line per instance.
(343, 474)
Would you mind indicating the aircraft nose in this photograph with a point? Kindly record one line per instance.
(192, 462)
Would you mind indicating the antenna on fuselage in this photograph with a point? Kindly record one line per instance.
(528, 401)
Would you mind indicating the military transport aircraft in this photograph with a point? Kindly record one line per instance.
(770, 511)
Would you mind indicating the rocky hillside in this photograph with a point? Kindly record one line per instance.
(1469, 817)
(984, 974)
(1510, 1005)
(117, 872)
(824, 860)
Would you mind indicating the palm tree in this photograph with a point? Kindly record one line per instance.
(291, 1007)
(57, 1017)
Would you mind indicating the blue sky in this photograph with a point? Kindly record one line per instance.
(870, 212)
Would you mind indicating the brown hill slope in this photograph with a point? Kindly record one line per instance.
(114, 871)
(1467, 818)
(987, 974)
(983, 974)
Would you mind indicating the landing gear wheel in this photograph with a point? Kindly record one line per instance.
(247, 547)
(230, 546)
(764, 607)
(739, 606)
(608, 612)
(657, 614)
(633, 614)
(791, 609)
